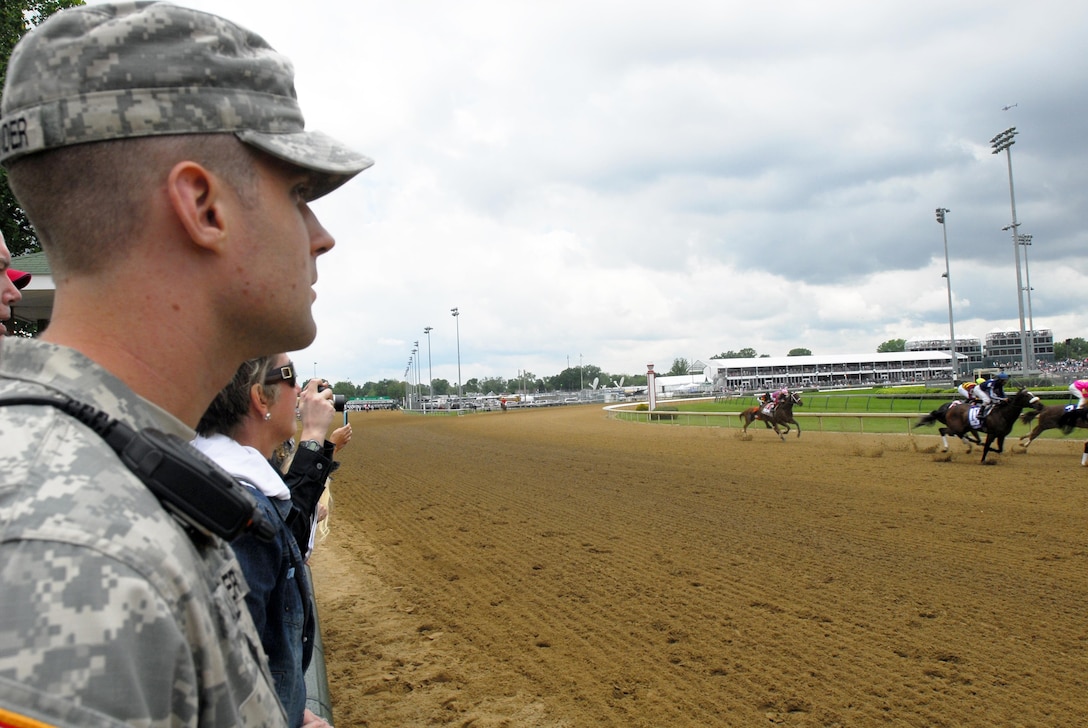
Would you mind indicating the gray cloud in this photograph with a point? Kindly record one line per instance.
(634, 182)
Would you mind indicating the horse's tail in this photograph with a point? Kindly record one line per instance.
(1029, 416)
(926, 420)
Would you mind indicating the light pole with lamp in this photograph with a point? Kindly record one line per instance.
(419, 393)
(1025, 241)
(430, 372)
(457, 323)
(941, 212)
(1003, 143)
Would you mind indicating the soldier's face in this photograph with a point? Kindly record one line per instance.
(278, 258)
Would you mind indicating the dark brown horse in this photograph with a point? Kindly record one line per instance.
(1075, 417)
(780, 416)
(1049, 418)
(941, 415)
(997, 424)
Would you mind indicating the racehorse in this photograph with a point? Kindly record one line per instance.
(941, 415)
(1049, 418)
(997, 425)
(1075, 417)
(780, 416)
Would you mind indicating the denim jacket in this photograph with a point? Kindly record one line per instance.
(306, 477)
(279, 600)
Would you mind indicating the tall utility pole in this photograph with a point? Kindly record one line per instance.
(415, 371)
(1025, 242)
(430, 372)
(457, 322)
(1003, 143)
(941, 213)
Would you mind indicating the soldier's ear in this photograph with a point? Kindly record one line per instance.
(196, 196)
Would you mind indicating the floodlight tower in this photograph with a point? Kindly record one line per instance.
(1025, 242)
(1003, 143)
(416, 372)
(430, 372)
(457, 322)
(941, 212)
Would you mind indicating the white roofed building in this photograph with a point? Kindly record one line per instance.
(830, 371)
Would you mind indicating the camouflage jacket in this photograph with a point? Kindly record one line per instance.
(111, 613)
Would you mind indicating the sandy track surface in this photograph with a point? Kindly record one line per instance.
(558, 568)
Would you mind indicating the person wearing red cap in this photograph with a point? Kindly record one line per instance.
(9, 288)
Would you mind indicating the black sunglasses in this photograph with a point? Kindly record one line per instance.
(286, 373)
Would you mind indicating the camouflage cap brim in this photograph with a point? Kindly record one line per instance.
(332, 163)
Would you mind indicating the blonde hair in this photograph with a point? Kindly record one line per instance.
(231, 405)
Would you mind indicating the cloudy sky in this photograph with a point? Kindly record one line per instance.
(619, 183)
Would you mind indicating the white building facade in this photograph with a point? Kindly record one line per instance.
(830, 371)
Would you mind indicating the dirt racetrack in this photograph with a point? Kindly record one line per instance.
(554, 567)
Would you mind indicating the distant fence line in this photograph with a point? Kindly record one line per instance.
(875, 413)
(732, 419)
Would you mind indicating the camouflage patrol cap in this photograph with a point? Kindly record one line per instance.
(137, 69)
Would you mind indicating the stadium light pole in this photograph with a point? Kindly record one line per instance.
(941, 213)
(457, 323)
(408, 380)
(1025, 242)
(1003, 143)
(430, 372)
(415, 372)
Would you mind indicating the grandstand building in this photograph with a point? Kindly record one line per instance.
(1003, 348)
(968, 350)
(830, 370)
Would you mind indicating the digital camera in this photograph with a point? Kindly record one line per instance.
(338, 400)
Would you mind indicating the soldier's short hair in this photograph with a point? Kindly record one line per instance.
(106, 189)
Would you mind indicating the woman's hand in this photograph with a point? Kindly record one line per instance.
(316, 410)
(340, 437)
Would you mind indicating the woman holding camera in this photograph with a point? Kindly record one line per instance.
(240, 430)
(306, 467)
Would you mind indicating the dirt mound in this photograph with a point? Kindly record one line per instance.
(557, 568)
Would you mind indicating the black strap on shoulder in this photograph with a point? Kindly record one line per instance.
(189, 486)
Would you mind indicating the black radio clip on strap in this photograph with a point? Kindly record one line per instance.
(189, 486)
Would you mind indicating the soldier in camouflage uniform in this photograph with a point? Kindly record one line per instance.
(161, 154)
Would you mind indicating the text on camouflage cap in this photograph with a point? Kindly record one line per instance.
(137, 69)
